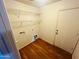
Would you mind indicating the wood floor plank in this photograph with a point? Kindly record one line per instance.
(43, 50)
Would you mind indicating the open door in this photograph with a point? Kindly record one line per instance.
(7, 45)
(67, 32)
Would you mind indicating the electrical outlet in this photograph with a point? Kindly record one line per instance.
(35, 36)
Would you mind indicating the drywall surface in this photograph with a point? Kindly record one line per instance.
(49, 17)
(24, 21)
(48, 22)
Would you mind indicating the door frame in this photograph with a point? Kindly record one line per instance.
(10, 38)
(57, 25)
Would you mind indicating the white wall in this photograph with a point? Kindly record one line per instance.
(23, 18)
(48, 22)
(49, 16)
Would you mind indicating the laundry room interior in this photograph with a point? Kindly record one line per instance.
(43, 23)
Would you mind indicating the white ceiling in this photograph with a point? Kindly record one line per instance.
(37, 3)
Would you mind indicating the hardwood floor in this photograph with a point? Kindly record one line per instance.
(43, 50)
